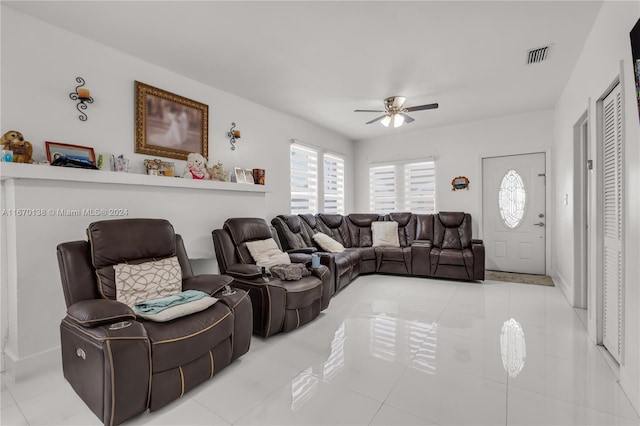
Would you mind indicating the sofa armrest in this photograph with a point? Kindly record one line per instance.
(421, 243)
(477, 248)
(207, 283)
(474, 241)
(95, 312)
(244, 271)
(300, 257)
(306, 250)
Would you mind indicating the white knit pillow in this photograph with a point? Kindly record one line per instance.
(385, 234)
(327, 243)
(267, 253)
(147, 281)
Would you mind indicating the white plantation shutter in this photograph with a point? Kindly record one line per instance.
(613, 224)
(382, 189)
(304, 179)
(333, 184)
(420, 187)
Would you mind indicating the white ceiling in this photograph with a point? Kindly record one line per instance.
(321, 60)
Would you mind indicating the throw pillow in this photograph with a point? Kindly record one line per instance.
(180, 310)
(385, 234)
(327, 243)
(267, 253)
(148, 280)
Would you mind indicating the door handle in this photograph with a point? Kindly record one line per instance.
(539, 224)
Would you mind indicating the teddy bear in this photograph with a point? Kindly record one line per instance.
(196, 167)
(22, 150)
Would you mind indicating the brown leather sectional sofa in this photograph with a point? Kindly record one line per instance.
(431, 245)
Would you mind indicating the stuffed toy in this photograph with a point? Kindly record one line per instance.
(22, 150)
(196, 167)
(217, 172)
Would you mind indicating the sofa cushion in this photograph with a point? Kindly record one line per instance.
(385, 234)
(127, 241)
(327, 243)
(393, 254)
(182, 340)
(451, 257)
(147, 280)
(267, 253)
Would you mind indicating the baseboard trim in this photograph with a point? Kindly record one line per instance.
(564, 287)
(17, 369)
(630, 388)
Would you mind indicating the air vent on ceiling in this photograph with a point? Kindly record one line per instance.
(537, 55)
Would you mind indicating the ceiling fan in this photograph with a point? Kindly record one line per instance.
(395, 111)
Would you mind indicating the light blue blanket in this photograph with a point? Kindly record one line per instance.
(157, 305)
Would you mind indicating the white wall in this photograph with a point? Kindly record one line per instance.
(39, 65)
(458, 150)
(597, 68)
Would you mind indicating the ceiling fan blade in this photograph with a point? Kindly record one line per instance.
(422, 107)
(367, 110)
(376, 119)
(398, 101)
(408, 119)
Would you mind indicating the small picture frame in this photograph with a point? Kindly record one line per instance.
(248, 176)
(74, 152)
(238, 173)
(459, 182)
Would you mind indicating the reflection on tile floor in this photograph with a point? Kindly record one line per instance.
(392, 351)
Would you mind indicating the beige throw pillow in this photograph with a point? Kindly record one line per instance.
(146, 281)
(385, 234)
(327, 243)
(267, 253)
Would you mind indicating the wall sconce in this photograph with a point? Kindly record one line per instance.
(233, 135)
(83, 96)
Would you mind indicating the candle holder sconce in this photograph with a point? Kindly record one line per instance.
(83, 96)
(233, 135)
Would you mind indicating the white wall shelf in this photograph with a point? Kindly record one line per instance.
(68, 174)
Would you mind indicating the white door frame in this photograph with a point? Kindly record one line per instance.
(581, 197)
(548, 206)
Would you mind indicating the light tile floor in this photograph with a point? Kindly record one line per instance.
(392, 351)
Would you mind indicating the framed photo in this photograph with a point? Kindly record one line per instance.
(168, 125)
(74, 152)
(239, 175)
(248, 176)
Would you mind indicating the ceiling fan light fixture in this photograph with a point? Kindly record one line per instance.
(398, 120)
(386, 120)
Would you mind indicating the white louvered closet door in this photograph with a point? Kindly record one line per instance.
(613, 223)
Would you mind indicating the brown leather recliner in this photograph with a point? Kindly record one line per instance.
(454, 253)
(278, 305)
(121, 365)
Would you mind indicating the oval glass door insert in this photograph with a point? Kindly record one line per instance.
(512, 199)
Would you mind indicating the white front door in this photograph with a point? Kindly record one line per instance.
(513, 212)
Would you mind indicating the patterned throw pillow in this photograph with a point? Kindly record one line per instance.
(147, 281)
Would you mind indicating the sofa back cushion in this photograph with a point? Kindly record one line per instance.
(131, 241)
(452, 230)
(335, 226)
(406, 226)
(424, 227)
(246, 229)
(359, 225)
(293, 234)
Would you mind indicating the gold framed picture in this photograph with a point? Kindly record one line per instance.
(169, 125)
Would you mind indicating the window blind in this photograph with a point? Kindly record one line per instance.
(304, 179)
(382, 189)
(420, 187)
(333, 184)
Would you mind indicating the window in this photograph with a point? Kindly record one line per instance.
(333, 184)
(512, 199)
(304, 179)
(382, 189)
(420, 187)
(403, 187)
